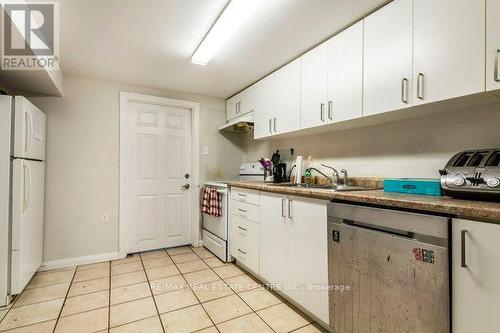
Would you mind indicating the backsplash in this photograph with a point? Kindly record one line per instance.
(407, 148)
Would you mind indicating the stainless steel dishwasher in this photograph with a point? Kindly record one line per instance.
(388, 271)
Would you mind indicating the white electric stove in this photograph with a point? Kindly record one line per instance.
(216, 229)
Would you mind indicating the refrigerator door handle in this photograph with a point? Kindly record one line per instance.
(26, 186)
(29, 133)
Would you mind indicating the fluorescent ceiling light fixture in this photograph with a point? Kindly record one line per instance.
(231, 19)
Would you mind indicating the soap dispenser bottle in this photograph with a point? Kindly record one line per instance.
(307, 176)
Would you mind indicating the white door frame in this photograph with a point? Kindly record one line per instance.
(125, 98)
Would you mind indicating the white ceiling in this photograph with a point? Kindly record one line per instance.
(150, 42)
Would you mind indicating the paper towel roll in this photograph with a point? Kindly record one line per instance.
(299, 166)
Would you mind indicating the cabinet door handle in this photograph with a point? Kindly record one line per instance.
(282, 207)
(330, 107)
(289, 209)
(242, 228)
(270, 125)
(242, 210)
(497, 60)
(404, 90)
(274, 124)
(322, 111)
(420, 86)
(463, 233)
(242, 252)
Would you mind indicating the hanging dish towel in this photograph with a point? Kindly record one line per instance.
(212, 202)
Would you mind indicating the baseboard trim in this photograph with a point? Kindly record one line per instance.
(85, 260)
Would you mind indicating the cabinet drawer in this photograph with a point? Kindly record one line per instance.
(245, 195)
(245, 252)
(245, 210)
(245, 230)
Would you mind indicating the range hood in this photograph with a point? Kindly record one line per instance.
(242, 124)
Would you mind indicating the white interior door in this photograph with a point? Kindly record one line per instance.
(156, 173)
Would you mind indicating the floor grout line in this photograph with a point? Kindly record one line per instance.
(64, 302)
(109, 299)
(29, 325)
(134, 321)
(85, 311)
(153, 296)
(40, 302)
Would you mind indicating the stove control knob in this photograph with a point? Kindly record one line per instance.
(493, 182)
(459, 181)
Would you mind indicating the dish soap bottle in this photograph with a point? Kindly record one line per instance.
(307, 176)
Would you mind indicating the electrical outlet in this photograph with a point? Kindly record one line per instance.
(205, 150)
(105, 218)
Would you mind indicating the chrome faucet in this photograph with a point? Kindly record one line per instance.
(346, 177)
(335, 176)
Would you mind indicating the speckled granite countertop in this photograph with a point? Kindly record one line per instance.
(466, 209)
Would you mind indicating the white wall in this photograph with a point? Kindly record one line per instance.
(407, 148)
(82, 174)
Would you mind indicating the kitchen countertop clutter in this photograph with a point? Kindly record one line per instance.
(466, 209)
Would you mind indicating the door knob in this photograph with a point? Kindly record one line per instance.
(185, 187)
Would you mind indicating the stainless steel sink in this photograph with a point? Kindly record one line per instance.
(336, 188)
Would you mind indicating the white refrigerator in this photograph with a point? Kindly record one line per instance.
(22, 180)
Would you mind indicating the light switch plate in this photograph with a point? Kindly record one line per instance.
(205, 150)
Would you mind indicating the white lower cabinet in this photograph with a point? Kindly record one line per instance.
(293, 249)
(475, 276)
(244, 228)
(273, 238)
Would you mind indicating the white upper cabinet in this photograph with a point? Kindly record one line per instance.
(449, 49)
(265, 111)
(475, 274)
(287, 98)
(313, 91)
(408, 53)
(332, 79)
(345, 75)
(242, 103)
(388, 52)
(231, 108)
(492, 45)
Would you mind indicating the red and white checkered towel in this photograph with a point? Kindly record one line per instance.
(212, 202)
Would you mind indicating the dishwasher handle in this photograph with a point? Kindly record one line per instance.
(402, 233)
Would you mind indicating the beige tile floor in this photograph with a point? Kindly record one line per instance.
(181, 289)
